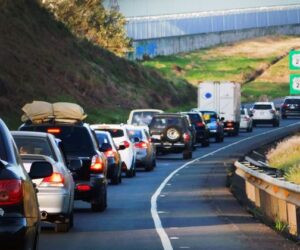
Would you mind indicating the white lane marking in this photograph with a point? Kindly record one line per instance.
(174, 238)
(157, 222)
(184, 247)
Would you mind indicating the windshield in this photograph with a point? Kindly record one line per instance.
(115, 133)
(34, 145)
(133, 133)
(209, 116)
(162, 122)
(195, 118)
(3, 153)
(262, 106)
(102, 138)
(142, 118)
(292, 101)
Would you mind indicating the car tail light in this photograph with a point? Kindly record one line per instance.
(229, 124)
(109, 153)
(141, 144)
(83, 187)
(55, 180)
(200, 124)
(53, 130)
(272, 111)
(186, 137)
(126, 144)
(11, 192)
(285, 105)
(97, 164)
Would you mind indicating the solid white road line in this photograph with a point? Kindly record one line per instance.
(154, 213)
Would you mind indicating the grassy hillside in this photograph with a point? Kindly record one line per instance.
(260, 65)
(41, 60)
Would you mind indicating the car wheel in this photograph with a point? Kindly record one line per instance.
(62, 227)
(250, 129)
(115, 180)
(187, 154)
(205, 143)
(36, 241)
(129, 173)
(101, 204)
(219, 138)
(283, 116)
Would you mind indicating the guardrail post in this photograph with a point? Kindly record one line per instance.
(292, 219)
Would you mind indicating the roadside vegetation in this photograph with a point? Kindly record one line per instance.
(40, 59)
(286, 156)
(260, 65)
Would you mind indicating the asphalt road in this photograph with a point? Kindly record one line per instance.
(191, 209)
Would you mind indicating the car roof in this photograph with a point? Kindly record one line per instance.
(292, 97)
(190, 112)
(30, 133)
(107, 126)
(146, 110)
(169, 114)
(262, 103)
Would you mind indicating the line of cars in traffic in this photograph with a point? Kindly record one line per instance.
(70, 161)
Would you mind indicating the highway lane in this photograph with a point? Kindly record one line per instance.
(195, 208)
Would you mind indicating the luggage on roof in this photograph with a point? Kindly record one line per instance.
(39, 112)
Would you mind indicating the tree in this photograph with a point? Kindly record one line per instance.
(89, 19)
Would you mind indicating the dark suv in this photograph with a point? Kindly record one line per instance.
(19, 211)
(87, 164)
(290, 107)
(202, 131)
(172, 131)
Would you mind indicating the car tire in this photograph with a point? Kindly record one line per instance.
(250, 129)
(219, 138)
(62, 227)
(283, 116)
(187, 154)
(205, 143)
(36, 241)
(130, 173)
(115, 180)
(101, 204)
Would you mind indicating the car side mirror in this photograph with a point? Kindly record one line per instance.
(75, 164)
(122, 147)
(40, 169)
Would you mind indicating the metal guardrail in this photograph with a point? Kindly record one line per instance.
(276, 198)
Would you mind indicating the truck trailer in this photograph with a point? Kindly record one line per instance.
(223, 98)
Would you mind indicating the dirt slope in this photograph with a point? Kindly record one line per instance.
(41, 60)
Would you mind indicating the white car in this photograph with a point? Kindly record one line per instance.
(56, 192)
(121, 136)
(142, 116)
(246, 120)
(264, 113)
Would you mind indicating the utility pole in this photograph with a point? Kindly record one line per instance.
(114, 5)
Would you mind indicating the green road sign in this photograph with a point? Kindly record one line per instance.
(294, 60)
(295, 84)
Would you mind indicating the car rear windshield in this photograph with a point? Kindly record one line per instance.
(262, 106)
(75, 140)
(142, 118)
(115, 133)
(162, 122)
(3, 153)
(195, 118)
(33, 145)
(102, 138)
(292, 101)
(209, 115)
(133, 133)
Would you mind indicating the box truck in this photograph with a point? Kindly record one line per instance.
(223, 98)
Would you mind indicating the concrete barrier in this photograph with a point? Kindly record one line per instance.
(277, 199)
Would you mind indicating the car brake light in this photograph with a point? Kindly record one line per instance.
(55, 180)
(53, 130)
(126, 144)
(97, 164)
(186, 137)
(200, 124)
(109, 153)
(229, 124)
(141, 145)
(83, 187)
(285, 105)
(11, 192)
(272, 111)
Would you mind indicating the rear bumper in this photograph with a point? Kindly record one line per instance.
(18, 233)
(55, 202)
(291, 112)
(263, 121)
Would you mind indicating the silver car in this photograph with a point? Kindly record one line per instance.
(56, 192)
(144, 148)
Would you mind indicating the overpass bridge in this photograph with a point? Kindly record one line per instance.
(171, 26)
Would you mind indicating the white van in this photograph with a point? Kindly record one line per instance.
(143, 117)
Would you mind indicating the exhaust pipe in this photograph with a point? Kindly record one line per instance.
(44, 215)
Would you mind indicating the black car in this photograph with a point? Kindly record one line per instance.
(202, 131)
(172, 132)
(87, 164)
(19, 211)
(290, 107)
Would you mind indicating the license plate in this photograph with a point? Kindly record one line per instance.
(156, 137)
(262, 113)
